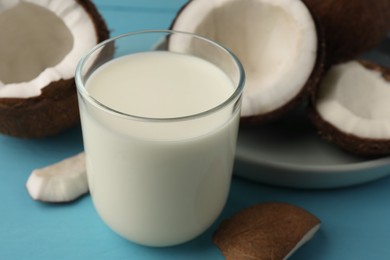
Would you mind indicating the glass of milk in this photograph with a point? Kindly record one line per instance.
(160, 113)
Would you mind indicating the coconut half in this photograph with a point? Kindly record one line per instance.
(351, 27)
(276, 40)
(352, 107)
(41, 44)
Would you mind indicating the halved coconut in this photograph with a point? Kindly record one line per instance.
(276, 40)
(40, 45)
(351, 27)
(352, 107)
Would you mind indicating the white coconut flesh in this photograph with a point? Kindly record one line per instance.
(355, 100)
(63, 181)
(41, 42)
(276, 41)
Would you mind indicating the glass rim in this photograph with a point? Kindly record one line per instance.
(80, 86)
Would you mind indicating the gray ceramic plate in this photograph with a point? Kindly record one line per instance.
(289, 153)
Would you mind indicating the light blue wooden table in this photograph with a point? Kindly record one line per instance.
(356, 220)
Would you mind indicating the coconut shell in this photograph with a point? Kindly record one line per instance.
(56, 109)
(351, 27)
(350, 142)
(264, 231)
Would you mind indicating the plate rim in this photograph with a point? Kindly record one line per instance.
(332, 168)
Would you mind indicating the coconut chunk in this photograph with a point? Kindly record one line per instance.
(276, 40)
(352, 107)
(270, 230)
(61, 182)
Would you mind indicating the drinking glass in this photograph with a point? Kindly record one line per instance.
(159, 181)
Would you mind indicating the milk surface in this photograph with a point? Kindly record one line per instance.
(159, 182)
(160, 84)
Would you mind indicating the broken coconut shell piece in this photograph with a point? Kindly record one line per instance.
(41, 44)
(61, 182)
(277, 41)
(352, 107)
(265, 231)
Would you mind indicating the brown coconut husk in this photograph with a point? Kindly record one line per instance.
(271, 230)
(351, 27)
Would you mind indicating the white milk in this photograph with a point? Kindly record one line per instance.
(159, 183)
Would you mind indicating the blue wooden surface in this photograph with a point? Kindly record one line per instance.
(355, 220)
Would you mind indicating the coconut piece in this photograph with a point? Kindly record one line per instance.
(61, 182)
(352, 107)
(346, 21)
(277, 42)
(41, 44)
(266, 231)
